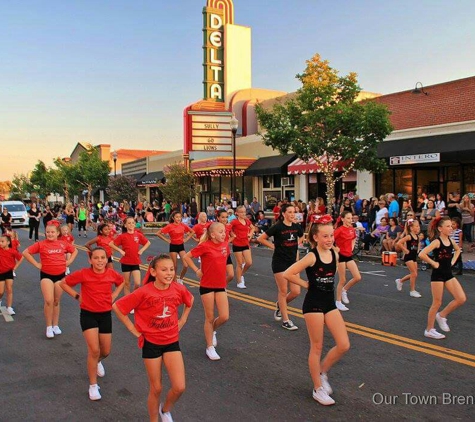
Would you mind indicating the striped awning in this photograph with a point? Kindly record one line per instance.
(300, 166)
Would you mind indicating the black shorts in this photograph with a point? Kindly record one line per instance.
(410, 257)
(101, 320)
(280, 266)
(343, 258)
(442, 276)
(176, 248)
(206, 290)
(127, 268)
(240, 248)
(154, 351)
(323, 303)
(53, 278)
(109, 259)
(6, 276)
(229, 261)
(70, 219)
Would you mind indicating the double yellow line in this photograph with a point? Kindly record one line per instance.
(394, 339)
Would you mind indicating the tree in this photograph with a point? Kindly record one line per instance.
(122, 187)
(324, 121)
(180, 184)
(21, 187)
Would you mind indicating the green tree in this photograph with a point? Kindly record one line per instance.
(21, 187)
(324, 121)
(122, 187)
(180, 184)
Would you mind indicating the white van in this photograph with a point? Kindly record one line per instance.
(18, 212)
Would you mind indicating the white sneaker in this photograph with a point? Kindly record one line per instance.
(340, 306)
(241, 286)
(10, 311)
(415, 293)
(215, 340)
(94, 392)
(344, 296)
(442, 323)
(398, 284)
(325, 384)
(49, 332)
(179, 281)
(322, 397)
(433, 333)
(242, 279)
(211, 353)
(56, 330)
(100, 369)
(165, 416)
(68, 271)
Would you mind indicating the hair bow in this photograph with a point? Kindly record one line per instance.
(321, 219)
(53, 223)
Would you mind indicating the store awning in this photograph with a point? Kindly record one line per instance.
(300, 166)
(136, 176)
(265, 166)
(151, 179)
(456, 147)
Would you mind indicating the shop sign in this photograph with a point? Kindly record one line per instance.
(433, 157)
(211, 132)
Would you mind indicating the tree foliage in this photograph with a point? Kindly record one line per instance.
(21, 187)
(5, 188)
(122, 188)
(180, 184)
(324, 121)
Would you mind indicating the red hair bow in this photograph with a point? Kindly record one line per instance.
(53, 223)
(321, 219)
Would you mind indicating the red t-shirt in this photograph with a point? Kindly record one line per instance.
(96, 289)
(15, 243)
(241, 231)
(8, 258)
(228, 232)
(344, 239)
(68, 238)
(276, 212)
(156, 311)
(176, 232)
(103, 242)
(199, 228)
(130, 245)
(213, 263)
(52, 255)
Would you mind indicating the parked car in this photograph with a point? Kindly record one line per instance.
(18, 212)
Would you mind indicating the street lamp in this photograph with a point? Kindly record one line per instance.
(234, 123)
(114, 157)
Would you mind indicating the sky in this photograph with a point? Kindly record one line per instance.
(121, 72)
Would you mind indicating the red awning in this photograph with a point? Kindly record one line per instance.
(300, 166)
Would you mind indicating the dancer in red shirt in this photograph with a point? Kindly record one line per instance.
(157, 327)
(345, 238)
(130, 261)
(52, 268)
(102, 240)
(242, 229)
(200, 227)
(214, 252)
(223, 219)
(95, 301)
(66, 236)
(176, 232)
(10, 260)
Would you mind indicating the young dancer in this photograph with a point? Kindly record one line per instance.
(66, 236)
(201, 226)
(242, 230)
(345, 239)
(82, 214)
(287, 236)
(52, 268)
(102, 240)
(176, 232)
(95, 301)
(157, 327)
(223, 219)
(444, 258)
(130, 240)
(319, 307)
(10, 260)
(409, 244)
(214, 252)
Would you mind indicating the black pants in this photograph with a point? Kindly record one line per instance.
(82, 225)
(34, 225)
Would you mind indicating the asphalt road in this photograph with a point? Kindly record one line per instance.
(392, 372)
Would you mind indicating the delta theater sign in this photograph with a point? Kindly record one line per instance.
(213, 55)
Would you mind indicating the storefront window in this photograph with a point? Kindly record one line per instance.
(469, 177)
(270, 199)
(386, 184)
(427, 181)
(247, 194)
(402, 182)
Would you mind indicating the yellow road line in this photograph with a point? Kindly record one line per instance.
(397, 340)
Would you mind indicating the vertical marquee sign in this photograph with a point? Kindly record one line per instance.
(216, 14)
